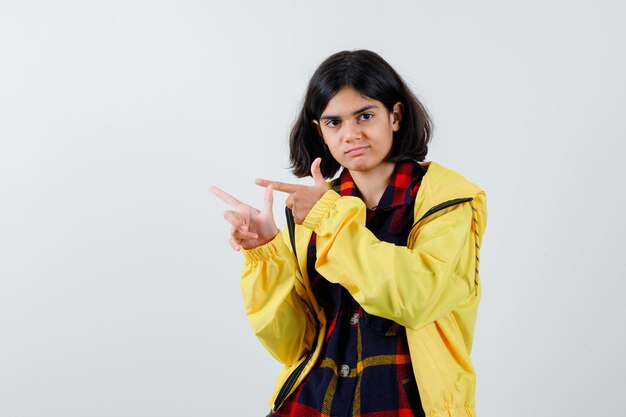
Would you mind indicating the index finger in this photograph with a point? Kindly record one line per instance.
(224, 196)
(278, 186)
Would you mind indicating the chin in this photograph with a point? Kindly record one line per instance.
(358, 165)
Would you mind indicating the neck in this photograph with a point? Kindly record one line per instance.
(372, 184)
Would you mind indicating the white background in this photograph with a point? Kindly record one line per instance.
(119, 295)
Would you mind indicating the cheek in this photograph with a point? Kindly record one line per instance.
(386, 142)
(329, 140)
(334, 151)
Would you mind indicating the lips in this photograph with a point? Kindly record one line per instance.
(356, 151)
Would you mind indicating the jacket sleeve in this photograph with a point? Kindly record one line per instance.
(411, 286)
(276, 301)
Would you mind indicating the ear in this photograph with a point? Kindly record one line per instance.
(396, 116)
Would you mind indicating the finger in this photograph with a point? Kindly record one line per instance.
(240, 234)
(278, 186)
(234, 218)
(316, 172)
(224, 196)
(289, 202)
(234, 244)
(268, 200)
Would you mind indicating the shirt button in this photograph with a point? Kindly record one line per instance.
(344, 371)
(354, 319)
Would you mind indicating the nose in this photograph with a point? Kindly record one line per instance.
(351, 131)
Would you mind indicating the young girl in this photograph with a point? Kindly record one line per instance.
(370, 298)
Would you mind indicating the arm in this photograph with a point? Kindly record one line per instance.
(411, 286)
(276, 301)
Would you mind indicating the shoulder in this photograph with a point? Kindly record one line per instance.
(444, 182)
(442, 186)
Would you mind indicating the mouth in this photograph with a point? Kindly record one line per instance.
(356, 151)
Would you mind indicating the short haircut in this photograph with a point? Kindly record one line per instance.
(369, 74)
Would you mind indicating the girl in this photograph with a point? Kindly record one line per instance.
(369, 297)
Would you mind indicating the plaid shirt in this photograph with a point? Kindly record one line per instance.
(365, 367)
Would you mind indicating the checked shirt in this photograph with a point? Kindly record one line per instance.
(364, 368)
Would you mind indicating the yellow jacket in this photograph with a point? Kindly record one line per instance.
(431, 286)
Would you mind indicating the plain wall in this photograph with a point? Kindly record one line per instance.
(119, 294)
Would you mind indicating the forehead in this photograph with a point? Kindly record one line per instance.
(346, 101)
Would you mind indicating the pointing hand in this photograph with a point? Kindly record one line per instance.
(301, 198)
(250, 227)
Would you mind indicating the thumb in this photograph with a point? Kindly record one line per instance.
(268, 200)
(316, 172)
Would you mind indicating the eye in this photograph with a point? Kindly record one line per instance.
(365, 116)
(332, 123)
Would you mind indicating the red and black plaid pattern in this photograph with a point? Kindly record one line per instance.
(364, 368)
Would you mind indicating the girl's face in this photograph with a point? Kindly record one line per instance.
(358, 130)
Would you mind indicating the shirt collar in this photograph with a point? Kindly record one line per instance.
(399, 191)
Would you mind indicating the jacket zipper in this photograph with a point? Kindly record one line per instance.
(291, 380)
(442, 206)
(293, 377)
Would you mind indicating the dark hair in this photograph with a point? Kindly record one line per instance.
(369, 74)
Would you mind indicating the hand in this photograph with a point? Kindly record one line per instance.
(301, 198)
(250, 227)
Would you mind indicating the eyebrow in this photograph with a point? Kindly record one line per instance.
(354, 113)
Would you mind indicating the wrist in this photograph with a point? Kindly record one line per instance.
(320, 209)
(263, 251)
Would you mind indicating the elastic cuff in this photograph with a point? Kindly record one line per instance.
(263, 252)
(320, 209)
